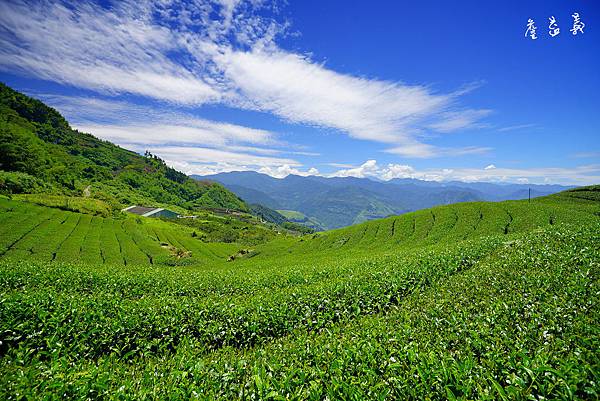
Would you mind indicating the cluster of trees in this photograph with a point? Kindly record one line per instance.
(241, 230)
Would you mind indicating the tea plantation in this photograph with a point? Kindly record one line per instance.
(49, 234)
(468, 301)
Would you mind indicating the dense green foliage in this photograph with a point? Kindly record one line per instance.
(44, 154)
(267, 214)
(240, 228)
(15, 182)
(75, 204)
(589, 193)
(475, 300)
(298, 227)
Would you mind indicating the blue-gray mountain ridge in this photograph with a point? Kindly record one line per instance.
(336, 202)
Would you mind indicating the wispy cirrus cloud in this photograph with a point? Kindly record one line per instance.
(196, 132)
(201, 155)
(116, 50)
(456, 120)
(299, 90)
(219, 52)
(121, 121)
(417, 150)
(517, 127)
(586, 155)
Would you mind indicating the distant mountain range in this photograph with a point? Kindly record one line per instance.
(341, 201)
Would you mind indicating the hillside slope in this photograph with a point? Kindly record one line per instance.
(40, 152)
(476, 301)
(35, 232)
(465, 220)
(32, 232)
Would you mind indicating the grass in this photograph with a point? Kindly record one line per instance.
(468, 301)
(292, 215)
(299, 217)
(75, 204)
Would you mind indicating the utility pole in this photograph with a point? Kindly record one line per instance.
(529, 195)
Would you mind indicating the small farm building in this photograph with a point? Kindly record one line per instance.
(151, 211)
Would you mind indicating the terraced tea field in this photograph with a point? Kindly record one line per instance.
(451, 223)
(469, 301)
(48, 234)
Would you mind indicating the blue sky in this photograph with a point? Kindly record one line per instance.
(430, 89)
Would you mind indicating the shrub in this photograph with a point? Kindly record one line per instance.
(13, 182)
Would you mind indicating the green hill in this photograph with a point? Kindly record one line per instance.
(468, 301)
(41, 153)
(301, 218)
(267, 214)
(462, 221)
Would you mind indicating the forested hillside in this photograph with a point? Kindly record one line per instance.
(41, 153)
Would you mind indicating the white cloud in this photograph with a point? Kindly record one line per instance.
(203, 169)
(119, 120)
(197, 160)
(299, 90)
(219, 52)
(581, 175)
(340, 165)
(490, 167)
(457, 120)
(370, 168)
(123, 122)
(275, 170)
(417, 150)
(586, 155)
(207, 150)
(397, 171)
(85, 45)
(367, 169)
(190, 144)
(517, 127)
(207, 155)
(302, 153)
(196, 132)
(285, 170)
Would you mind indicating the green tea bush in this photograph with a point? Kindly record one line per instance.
(469, 301)
(18, 183)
